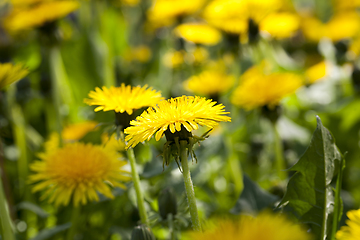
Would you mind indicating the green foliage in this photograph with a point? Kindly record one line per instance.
(309, 194)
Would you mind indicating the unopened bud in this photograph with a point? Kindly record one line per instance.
(167, 203)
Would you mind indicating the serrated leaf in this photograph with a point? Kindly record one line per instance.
(253, 198)
(47, 233)
(309, 195)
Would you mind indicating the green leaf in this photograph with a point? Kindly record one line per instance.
(309, 195)
(47, 233)
(34, 208)
(253, 198)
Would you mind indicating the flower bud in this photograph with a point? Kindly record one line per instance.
(142, 232)
(167, 203)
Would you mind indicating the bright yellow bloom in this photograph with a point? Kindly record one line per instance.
(352, 230)
(173, 59)
(76, 131)
(280, 25)
(348, 22)
(316, 72)
(78, 171)
(340, 5)
(123, 99)
(197, 56)
(23, 18)
(232, 16)
(162, 11)
(112, 143)
(258, 88)
(10, 73)
(140, 53)
(198, 33)
(209, 82)
(266, 226)
(186, 111)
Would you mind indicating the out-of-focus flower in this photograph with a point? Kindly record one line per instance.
(110, 142)
(316, 72)
(199, 55)
(181, 114)
(163, 12)
(76, 172)
(280, 25)
(130, 3)
(123, 99)
(233, 16)
(265, 226)
(173, 59)
(352, 230)
(140, 53)
(10, 73)
(198, 33)
(348, 22)
(259, 88)
(27, 16)
(209, 83)
(76, 131)
(349, 5)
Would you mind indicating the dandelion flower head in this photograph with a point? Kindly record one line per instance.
(280, 25)
(266, 226)
(174, 114)
(28, 16)
(123, 99)
(76, 131)
(209, 82)
(198, 33)
(316, 72)
(352, 230)
(10, 73)
(173, 59)
(76, 172)
(258, 88)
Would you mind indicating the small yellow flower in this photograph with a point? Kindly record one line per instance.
(173, 59)
(280, 25)
(340, 5)
(198, 33)
(173, 115)
(130, 3)
(35, 15)
(199, 55)
(140, 53)
(348, 22)
(76, 131)
(78, 171)
(316, 72)
(259, 89)
(112, 143)
(209, 83)
(162, 11)
(266, 226)
(10, 73)
(123, 99)
(352, 230)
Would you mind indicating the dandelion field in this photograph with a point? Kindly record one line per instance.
(178, 119)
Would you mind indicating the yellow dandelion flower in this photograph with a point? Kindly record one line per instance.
(76, 131)
(78, 171)
(266, 226)
(209, 83)
(140, 53)
(348, 22)
(38, 14)
(130, 3)
(10, 73)
(198, 33)
(340, 5)
(352, 230)
(172, 115)
(316, 72)
(280, 25)
(112, 143)
(173, 59)
(259, 89)
(163, 10)
(123, 99)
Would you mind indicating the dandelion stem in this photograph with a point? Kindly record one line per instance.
(74, 223)
(279, 157)
(7, 229)
(136, 181)
(189, 186)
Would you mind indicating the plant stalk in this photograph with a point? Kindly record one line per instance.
(189, 186)
(279, 155)
(74, 223)
(139, 193)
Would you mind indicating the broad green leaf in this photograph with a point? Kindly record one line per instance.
(253, 198)
(48, 233)
(309, 195)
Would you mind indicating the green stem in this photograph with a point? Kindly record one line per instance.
(279, 155)
(136, 181)
(172, 231)
(6, 223)
(189, 186)
(74, 223)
